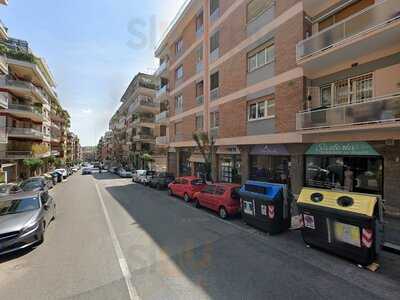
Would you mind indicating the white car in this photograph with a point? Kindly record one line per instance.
(138, 174)
(145, 177)
(63, 172)
(124, 173)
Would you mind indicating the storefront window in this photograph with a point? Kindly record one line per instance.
(353, 174)
(269, 168)
(229, 169)
(184, 164)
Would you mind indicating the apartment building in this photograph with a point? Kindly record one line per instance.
(133, 126)
(298, 92)
(73, 148)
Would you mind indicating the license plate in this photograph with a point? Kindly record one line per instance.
(309, 221)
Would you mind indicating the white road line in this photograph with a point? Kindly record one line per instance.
(133, 295)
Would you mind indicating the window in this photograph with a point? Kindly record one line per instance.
(214, 119)
(261, 56)
(220, 191)
(214, 42)
(209, 189)
(179, 73)
(326, 96)
(256, 7)
(199, 22)
(178, 103)
(261, 109)
(199, 54)
(269, 168)
(214, 5)
(179, 46)
(214, 81)
(199, 122)
(199, 88)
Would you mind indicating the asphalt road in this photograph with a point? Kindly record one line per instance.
(116, 240)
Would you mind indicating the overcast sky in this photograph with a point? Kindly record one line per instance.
(93, 48)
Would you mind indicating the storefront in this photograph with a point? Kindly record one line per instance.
(184, 163)
(270, 163)
(229, 162)
(349, 166)
(197, 164)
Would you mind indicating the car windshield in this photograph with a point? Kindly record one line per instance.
(18, 206)
(198, 182)
(31, 185)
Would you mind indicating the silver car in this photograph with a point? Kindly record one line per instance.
(24, 218)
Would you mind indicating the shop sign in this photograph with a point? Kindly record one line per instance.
(273, 150)
(349, 149)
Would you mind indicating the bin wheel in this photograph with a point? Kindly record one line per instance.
(186, 197)
(222, 213)
(170, 192)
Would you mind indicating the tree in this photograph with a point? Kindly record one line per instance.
(206, 147)
(33, 164)
(58, 163)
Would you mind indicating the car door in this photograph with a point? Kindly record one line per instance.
(175, 186)
(206, 196)
(217, 198)
(183, 187)
(44, 198)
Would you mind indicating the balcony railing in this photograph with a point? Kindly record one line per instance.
(162, 140)
(374, 110)
(24, 132)
(161, 117)
(200, 100)
(15, 154)
(26, 108)
(4, 99)
(373, 17)
(199, 67)
(162, 68)
(162, 91)
(214, 94)
(143, 136)
(24, 85)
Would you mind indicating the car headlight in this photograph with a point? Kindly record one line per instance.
(30, 228)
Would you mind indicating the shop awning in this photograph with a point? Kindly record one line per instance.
(197, 158)
(344, 148)
(273, 150)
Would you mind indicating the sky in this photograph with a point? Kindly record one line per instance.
(94, 48)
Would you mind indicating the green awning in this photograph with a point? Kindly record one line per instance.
(349, 149)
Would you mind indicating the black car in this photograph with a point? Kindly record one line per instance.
(161, 180)
(36, 184)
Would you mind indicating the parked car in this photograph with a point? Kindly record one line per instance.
(58, 175)
(63, 172)
(161, 180)
(9, 189)
(220, 197)
(86, 171)
(136, 174)
(186, 187)
(124, 173)
(146, 177)
(75, 169)
(24, 218)
(36, 184)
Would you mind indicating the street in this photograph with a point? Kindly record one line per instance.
(113, 239)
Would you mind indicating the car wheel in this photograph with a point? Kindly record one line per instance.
(186, 197)
(41, 236)
(158, 186)
(197, 203)
(222, 213)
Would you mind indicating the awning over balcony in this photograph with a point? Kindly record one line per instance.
(344, 149)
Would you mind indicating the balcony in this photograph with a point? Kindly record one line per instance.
(4, 99)
(162, 68)
(23, 88)
(25, 133)
(144, 104)
(162, 92)
(162, 118)
(25, 111)
(16, 154)
(162, 141)
(143, 137)
(3, 64)
(3, 30)
(200, 100)
(373, 29)
(374, 110)
(55, 153)
(214, 94)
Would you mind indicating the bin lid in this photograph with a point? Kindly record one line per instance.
(269, 190)
(345, 201)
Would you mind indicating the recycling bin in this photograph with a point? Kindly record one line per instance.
(343, 223)
(265, 206)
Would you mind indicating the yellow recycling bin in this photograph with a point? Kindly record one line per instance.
(343, 223)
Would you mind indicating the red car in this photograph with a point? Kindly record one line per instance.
(220, 197)
(186, 187)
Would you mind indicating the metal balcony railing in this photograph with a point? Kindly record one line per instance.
(162, 68)
(161, 117)
(24, 85)
(24, 132)
(214, 94)
(162, 140)
(15, 154)
(200, 100)
(374, 110)
(26, 108)
(162, 91)
(371, 18)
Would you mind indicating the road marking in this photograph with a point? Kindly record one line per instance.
(133, 295)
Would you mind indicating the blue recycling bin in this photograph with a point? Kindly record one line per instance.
(266, 206)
